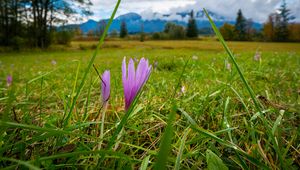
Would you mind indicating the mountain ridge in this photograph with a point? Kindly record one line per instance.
(155, 22)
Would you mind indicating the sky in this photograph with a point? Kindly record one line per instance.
(258, 10)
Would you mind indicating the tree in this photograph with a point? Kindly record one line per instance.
(192, 30)
(277, 26)
(142, 34)
(45, 13)
(12, 13)
(34, 19)
(174, 31)
(114, 34)
(64, 37)
(294, 32)
(101, 27)
(249, 30)
(269, 27)
(123, 30)
(78, 32)
(168, 27)
(227, 30)
(240, 26)
(91, 33)
(281, 29)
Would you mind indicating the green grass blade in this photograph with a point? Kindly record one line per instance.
(278, 121)
(78, 153)
(42, 129)
(241, 162)
(188, 117)
(225, 121)
(149, 151)
(214, 162)
(165, 145)
(20, 162)
(145, 163)
(182, 144)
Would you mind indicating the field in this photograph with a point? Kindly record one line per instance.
(216, 122)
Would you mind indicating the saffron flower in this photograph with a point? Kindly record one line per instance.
(105, 86)
(9, 80)
(133, 80)
(53, 62)
(257, 56)
(183, 89)
(228, 66)
(155, 65)
(195, 57)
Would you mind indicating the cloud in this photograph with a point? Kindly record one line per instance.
(170, 16)
(258, 10)
(295, 9)
(103, 8)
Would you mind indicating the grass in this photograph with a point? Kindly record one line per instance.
(214, 115)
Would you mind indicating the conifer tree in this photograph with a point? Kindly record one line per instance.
(192, 30)
(240, 26)
(281, 29)
(123, 30)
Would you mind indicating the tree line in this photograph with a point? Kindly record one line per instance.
(33, 22)
(277, 28)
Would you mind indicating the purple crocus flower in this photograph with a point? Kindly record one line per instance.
(183, 89)
(228, 66)
(53, 62)
(155, 65)
(9, 80)
(257, 56)
(133, 80)
(105, 86)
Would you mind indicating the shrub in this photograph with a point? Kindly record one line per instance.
(64, 37)
(18, 42)
(156, 36)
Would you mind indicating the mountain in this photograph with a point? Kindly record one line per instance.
(155, 22)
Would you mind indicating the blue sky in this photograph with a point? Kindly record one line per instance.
(258, 10)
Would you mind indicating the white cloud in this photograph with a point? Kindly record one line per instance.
(258, 10)
(171, 16)
(103, 8)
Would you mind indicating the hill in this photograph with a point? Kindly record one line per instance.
(155, 22)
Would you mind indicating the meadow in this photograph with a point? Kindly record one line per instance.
(216, 123)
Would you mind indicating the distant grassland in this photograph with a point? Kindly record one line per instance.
(205, 45)
(44, 83)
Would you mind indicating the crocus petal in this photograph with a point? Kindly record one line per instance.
(134, 80)
(124, 73)
(143, 73)
(105, 86)
(124, 80)
(9, 80)
(131, 81)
